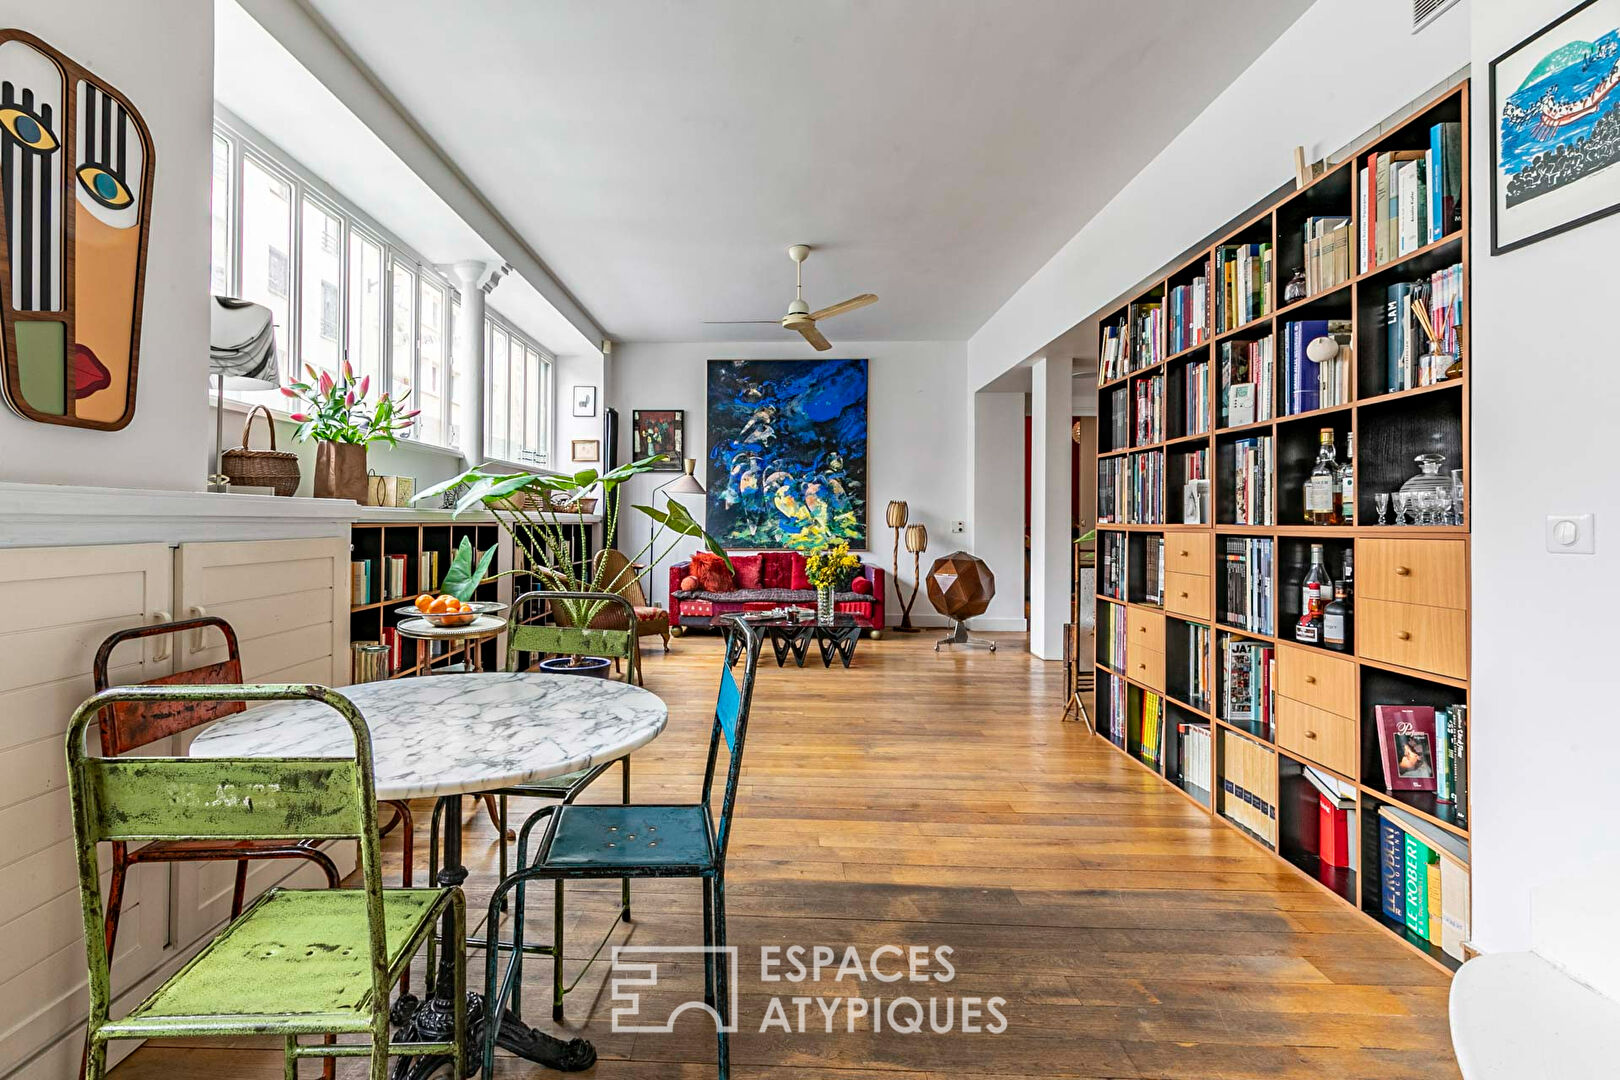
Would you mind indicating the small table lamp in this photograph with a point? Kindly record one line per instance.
(685, 484)
(916, 543)
(241, 355)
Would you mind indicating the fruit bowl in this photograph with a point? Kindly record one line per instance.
(450, 619)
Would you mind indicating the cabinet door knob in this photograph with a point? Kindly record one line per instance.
(1401, 571)
(1184, 596)
(1310, 680)
(1186, 554)
(1310, 734)
(1403, 635)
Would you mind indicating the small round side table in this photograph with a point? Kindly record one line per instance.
(481, 629)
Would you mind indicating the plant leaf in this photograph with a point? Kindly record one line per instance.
(461, 580)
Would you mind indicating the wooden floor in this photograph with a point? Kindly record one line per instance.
(936, 800)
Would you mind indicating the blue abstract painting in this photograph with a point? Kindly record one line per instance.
(787, 452)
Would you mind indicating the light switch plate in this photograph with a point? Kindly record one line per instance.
(1571, 534)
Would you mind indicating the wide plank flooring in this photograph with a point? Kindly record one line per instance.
(923, 799)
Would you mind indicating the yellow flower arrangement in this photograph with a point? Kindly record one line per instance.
(832, 566)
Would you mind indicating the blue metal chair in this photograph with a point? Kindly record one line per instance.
(587, 842)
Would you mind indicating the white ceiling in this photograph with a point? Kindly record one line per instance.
(659, 156)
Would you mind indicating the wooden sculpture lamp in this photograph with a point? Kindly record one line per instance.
(916, 543)
(76, 163)
(961, 586)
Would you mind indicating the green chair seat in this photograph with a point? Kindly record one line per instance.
(296, 953)
(609, 837)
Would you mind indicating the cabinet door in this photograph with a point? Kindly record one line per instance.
(288, 601)
(68, 600)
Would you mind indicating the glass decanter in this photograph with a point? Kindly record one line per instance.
(1428, 478)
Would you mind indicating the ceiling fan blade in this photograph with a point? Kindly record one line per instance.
(742, 322)
(848, 305)
(813, 336)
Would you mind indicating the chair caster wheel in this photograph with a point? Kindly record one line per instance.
(992, 648)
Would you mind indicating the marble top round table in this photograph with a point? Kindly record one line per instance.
(453, 734)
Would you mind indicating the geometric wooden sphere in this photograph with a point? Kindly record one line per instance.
(960, 585)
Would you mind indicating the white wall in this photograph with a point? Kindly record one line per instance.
(1340, 68)
(916, 444)
(134, 47)
(569, 372)
(1544, 391)
(998, 502)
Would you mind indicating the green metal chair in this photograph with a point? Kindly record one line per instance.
(587, 842)
(295, 963)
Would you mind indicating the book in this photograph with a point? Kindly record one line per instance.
(1454, 893)
(360, 583)
(1457, 718)
(1333, 806)
(1195, 757)
(1196, 399)
(1406, 746)
(1392, 870)
(1417, 886)
(1248, 786)
(1115, 362)
(1153, 570)
(1149, 410)
(1442, 756)
(1119, 412)
(1188, 319)
(1432, 891)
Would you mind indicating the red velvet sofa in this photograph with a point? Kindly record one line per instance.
(696, 607)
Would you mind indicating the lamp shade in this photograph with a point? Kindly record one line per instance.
(242, 344)
(916, 538)
(897, 514)
(687, 483)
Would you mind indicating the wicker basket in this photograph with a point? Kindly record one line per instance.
(270, 468)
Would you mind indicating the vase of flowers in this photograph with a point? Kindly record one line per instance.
(334, 413)
(829, 568)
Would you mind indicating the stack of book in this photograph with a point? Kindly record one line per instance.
(1147, 488)
(1197, 664)
(394, 577)
(1247, 566)
(1246, 684)
(1189, 314)
(1249, 786)
(1194, 755)
(396, 649)
(1116, 352)
(1153, 570)
(360, 586)
(1246, 368)
(1152, 728)
(1118, 695)
(1327, 253)
(1111, 565)
(1113, 503)
(1410, 360)
(1423, 879)
(1251, 493)
(1410, 198)
(427, 572)
(1119, 412)
(1242, 284)
(1197, 398)
(1150, 410)
(1307, 384)
(1147, 335)
(1117, 635)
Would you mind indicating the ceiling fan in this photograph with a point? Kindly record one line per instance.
(799, 317)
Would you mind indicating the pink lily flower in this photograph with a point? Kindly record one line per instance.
(348, 372)
(365, 384)
(289, 391)
(326, 383)
(299, 418)
(348, 399)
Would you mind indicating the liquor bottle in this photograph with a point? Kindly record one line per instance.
(1347, 481)
(1336, 620)
(1322, 494)
(1312, 599)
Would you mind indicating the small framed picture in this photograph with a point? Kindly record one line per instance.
(1406, 743)
(584, 401)
(587, 450)
(658, 431)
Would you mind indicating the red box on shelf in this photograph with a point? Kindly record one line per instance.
(1333, 832)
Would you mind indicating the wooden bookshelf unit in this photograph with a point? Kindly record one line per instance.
(1232, 579)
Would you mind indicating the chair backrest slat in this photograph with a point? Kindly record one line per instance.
(731, 709)
(728, 707)
(129, 725)
(138, 798)
(617, 575)
(569, 639)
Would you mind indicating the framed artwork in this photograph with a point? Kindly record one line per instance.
(1555, 128)
(1407, 746)
(584, 401)
(76, 165)
(658, 431)
(787, 452)
(586, 450)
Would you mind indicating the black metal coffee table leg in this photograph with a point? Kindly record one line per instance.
(781, 643)
(802, 636)
(433, 1020)
(838, 640)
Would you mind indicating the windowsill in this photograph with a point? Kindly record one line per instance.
(241, 408)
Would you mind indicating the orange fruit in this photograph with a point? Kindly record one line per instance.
(440, 605)
(423, 601)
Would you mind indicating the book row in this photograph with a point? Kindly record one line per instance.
(1246, 381)
(1421, 320)
(1410, 198)
(1131, 489)
(1423, 879)
(1188, 307)
(1248, 786)
(1246, 568)
(1243, 275)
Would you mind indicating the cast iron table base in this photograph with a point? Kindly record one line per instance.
(793, 638)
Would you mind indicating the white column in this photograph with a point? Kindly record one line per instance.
(998, 505)
(1051, 403)
(469, 344)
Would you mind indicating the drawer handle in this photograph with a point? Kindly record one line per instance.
(1310, 734)
(1186, 554)
(1401, 571)
(1403, 635)
(1141, 667)
(1310, 680)
(1183, 596)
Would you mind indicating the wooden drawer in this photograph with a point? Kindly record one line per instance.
(1189, 552)
(1188, 594)
(1146, 627)
(1431, 572)
(1326, 738)
(1146, 666)
(1314, 678)
(1413, 635)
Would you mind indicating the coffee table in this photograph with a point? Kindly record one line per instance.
(792, 637)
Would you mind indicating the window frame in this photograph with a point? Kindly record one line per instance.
(522, 456)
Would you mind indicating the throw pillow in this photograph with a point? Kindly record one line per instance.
(749, 572)
(862, 585)
(711, 572)
(776, 569)
(801, 581)
(689, 583)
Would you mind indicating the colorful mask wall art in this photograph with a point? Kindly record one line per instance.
(76, 182)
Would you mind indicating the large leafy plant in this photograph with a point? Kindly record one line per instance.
(521, 502)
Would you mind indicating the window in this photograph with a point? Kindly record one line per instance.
(517, 396)
(496, 391)
(266, 242)
(432, 374)
(220, 205)
(320, 299)
(366, 306)
(402, 350)
(458, 378)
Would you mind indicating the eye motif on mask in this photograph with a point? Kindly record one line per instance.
(76, 166)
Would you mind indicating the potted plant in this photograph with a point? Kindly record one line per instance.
(829, 568)
(521, 502)
(334, 413)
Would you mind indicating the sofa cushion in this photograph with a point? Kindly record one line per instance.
(862, 585)
(801, 579)
(711, 573)
(776, 570)
(689, 583)
(748, 571)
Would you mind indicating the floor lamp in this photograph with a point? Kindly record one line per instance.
(685, 484)
(897, 515)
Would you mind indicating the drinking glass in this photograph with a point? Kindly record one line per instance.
(1381, 500)
(1457, 496)
(1401, 499)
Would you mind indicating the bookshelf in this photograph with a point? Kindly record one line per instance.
(1186, 595)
